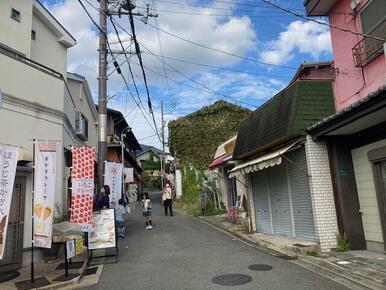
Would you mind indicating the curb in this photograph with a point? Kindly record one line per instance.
(68, 283)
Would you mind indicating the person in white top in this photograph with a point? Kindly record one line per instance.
(167, 198)
(147, 211)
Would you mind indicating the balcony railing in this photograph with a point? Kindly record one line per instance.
(369, 48)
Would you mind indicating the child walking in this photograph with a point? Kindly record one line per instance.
(120, 218)
(147, 210)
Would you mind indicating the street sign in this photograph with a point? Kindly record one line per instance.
(203, 197)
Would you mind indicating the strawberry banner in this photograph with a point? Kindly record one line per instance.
(82, 185)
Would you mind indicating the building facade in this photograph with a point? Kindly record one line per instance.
(356, 132)
(39, 102)
(287, 174)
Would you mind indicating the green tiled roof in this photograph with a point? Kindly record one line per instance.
(286, 116)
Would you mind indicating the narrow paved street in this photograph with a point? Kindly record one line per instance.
(182, 253)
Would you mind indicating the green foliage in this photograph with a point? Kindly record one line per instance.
(150, 182)
(151, 165)
(312, 253)
(195, 137)
(192, 180)
(342, 243)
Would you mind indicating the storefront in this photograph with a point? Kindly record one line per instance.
(357, 142)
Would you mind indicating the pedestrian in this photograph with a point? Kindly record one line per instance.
(167, 198)
(147, 210)
(104, 202)
(120, 218)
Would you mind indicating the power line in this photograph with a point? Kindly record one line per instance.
(320, 22)
(199, 89)
(218, 50)
(127, 59)
(116, 64)
(221, 67)
(138, 51)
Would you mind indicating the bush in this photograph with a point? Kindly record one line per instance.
(312, 253)
(342, 243)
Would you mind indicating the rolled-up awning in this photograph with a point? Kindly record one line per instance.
(262, 162)
(217, 162)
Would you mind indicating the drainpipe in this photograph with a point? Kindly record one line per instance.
(384, 51)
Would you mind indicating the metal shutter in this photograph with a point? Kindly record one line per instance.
(301, 195)
(280, 205)
(261, 202)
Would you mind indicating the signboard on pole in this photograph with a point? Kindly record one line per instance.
(113, 178)
(44, 195)
(203, 198)
(78, 245)
(102, 232)
(8, 164)
(129, 175)
(82, 185)
(70, 245)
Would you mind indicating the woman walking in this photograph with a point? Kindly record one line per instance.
(147, 210)
(167, 198)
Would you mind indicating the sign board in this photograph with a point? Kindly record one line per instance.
(46, 154)
(102, 232)
(70, 247)
(8, 163)
(82, 192)
(113, 178)
(78, 245)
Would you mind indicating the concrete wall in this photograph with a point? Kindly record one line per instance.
(13, 33)
(349, 85)
(322, 196)
(46, 49)
(367, 196)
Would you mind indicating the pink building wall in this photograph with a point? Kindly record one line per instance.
(350, 84)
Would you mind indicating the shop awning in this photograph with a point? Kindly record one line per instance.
(217, 162)
(262, 162)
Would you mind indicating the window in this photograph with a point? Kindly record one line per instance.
(33, 34)
(373, 22)
(15, 15)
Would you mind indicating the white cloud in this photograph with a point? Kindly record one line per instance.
(299, 37)
(233, 34)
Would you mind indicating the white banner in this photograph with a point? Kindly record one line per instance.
(8, 164)
(44, 194)
(113, 178)
(129, 175)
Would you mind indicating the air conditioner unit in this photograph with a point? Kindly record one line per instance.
(81, 126)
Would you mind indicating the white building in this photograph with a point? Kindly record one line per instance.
(38, 102)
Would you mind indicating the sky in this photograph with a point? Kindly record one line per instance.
(261, 49)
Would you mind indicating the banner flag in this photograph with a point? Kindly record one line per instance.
(113, 178)
(8, 164)
(83, 162)
(44, 193)
(129, 175)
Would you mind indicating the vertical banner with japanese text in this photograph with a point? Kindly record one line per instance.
(46, 154)
(8, 164)
(129, 175)
(113, 178)
(83, 162)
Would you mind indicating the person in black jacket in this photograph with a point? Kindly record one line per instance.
(104, 202)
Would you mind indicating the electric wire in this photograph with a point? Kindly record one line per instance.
(321, 22)
(138, 51)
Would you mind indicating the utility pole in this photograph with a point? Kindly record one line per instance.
(102, 101)
(163, 163)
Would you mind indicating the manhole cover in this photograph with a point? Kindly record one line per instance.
(260, 267)
(9, 276)
(232, 279)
